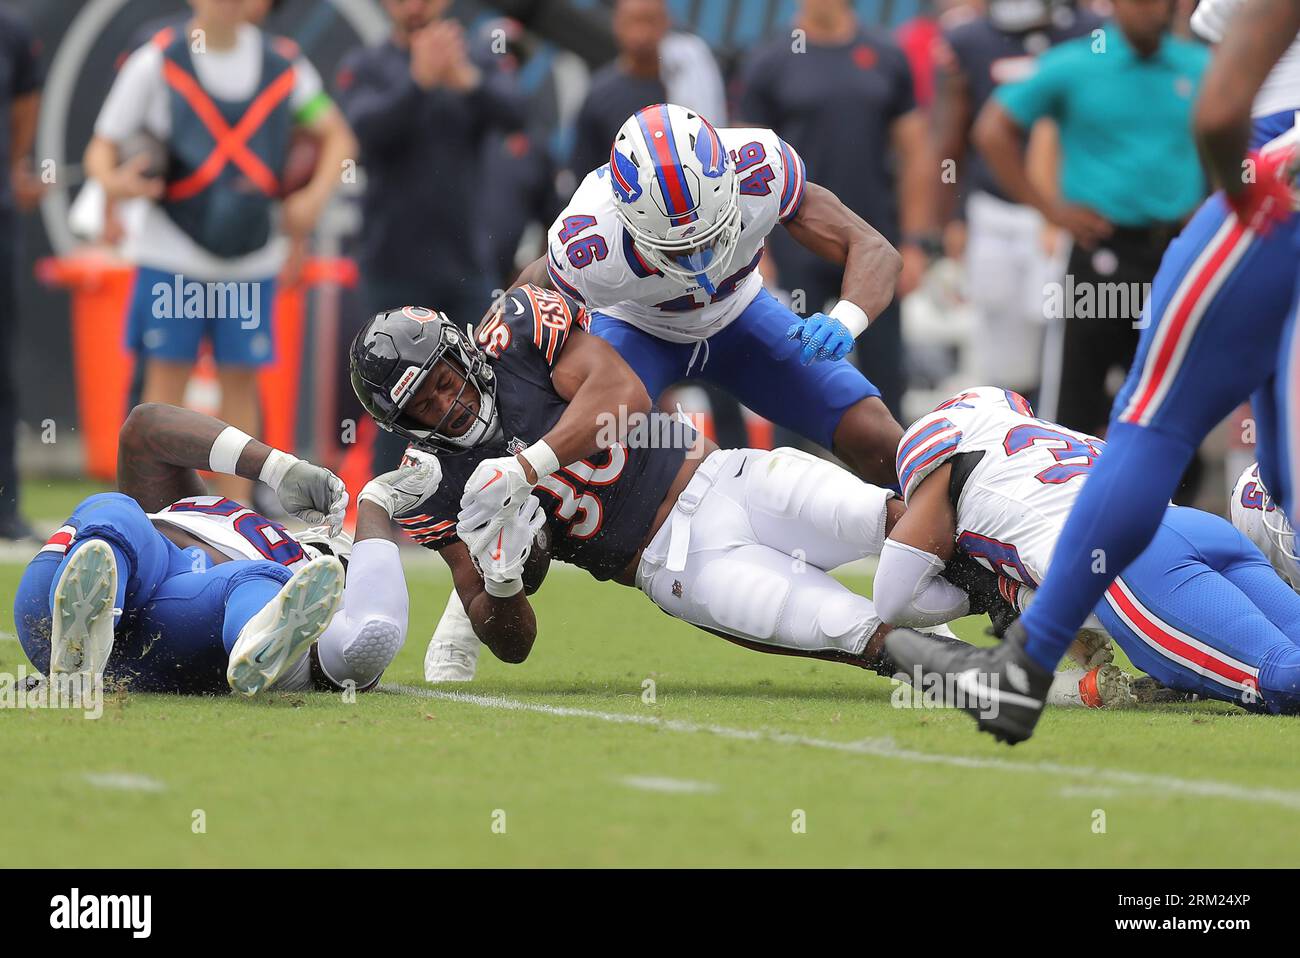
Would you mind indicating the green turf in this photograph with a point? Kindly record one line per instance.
(47, 500)
(397, 779)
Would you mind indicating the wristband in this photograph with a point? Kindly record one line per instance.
(502, 590)
(224, 455)
(853, 317)
(277, 464)
(542, 458)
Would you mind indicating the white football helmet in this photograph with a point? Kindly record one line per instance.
(677, 193)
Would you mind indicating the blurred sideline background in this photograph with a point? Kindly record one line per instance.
(74, 373)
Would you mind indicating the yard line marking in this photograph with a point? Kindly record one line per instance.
(882, 748)
(7, 636)
(124, 781)
(674, 786)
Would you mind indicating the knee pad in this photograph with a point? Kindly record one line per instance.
(846, 621)
(742, 597)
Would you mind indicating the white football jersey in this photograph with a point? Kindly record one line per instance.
(591, 257)
(233, 529)
(1252, 512)
(1281, 88)
(1022, 476)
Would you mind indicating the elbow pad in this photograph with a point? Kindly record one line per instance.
(370, 627)
(909, 590)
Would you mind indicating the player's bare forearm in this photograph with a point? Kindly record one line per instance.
(506, 626)
(929, 522)
(603, 395)
(373, 522)
(161, 447)
(834, 232)
(534, 274)
(1260, 33)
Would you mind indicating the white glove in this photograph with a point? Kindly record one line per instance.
(493, 491)
(312, 493)
(415, 480)
(502, 561)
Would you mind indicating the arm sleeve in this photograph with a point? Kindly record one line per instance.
(370, 627)
(909, 591)
(1039, 94)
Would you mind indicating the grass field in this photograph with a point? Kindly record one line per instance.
(735, 753)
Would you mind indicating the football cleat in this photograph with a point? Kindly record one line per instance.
(283, 631)
(1002, 687)
(81, 637)
(452, 655)
(1104, 687)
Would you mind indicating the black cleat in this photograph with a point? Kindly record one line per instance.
(1002, 687)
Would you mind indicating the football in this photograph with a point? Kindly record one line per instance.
(539, 561)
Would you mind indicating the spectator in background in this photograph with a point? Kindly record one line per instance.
(1122, 100)
(518, 163)
(653, 65)
(841, 94)
(422, 112)
(1007, 257)
(20, 190)
(219, 99)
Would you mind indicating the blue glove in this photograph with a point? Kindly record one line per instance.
(824, 337)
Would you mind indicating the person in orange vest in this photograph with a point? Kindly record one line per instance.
(222, 99)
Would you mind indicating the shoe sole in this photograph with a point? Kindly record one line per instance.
(81, 637)
(303, 608)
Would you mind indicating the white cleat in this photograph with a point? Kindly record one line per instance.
(81, 637)
(1104, 687)
(452, 655)
(279, 635)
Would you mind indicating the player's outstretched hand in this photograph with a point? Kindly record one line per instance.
(401, 490)
(501, 560)
(824, 337)
(312, 493)
(493, 490)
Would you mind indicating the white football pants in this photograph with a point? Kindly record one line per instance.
(746, 550)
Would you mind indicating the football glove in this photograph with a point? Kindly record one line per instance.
(824, 337)
(1266, 200)
(501, 561)
(401, 490)
(493, 491)
(312, 493)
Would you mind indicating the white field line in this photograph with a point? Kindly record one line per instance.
(885, 748)
(671, 786)
(124, 781)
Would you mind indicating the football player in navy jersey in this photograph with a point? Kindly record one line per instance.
(535, 419)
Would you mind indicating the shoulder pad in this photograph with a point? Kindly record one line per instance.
(930, 442)
(529, 317)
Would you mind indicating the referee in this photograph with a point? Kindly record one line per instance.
(1129, 175)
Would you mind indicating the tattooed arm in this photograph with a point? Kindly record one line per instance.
(161, 448)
